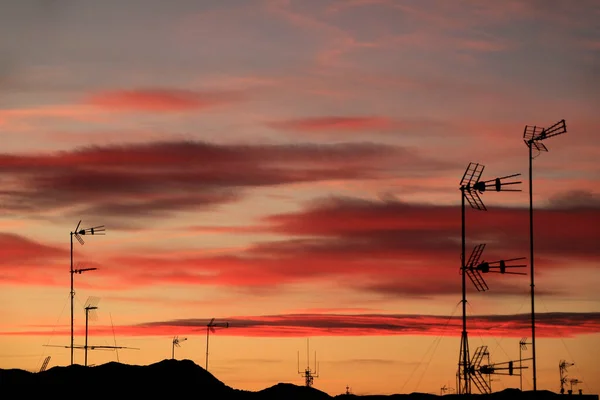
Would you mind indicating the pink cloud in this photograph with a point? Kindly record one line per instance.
(157, 100)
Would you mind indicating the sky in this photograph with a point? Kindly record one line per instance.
(292, 168)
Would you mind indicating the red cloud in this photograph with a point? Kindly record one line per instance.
(387, 247)
(18, 249)
(550, 325)
(157, 100)
(137, 181)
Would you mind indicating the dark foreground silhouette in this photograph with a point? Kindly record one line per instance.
(184, 377)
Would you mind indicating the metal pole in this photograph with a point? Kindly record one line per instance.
(531, 272)
(520, 368)
(464, 339)
(207, 335)
(72, 296)
(86, 335)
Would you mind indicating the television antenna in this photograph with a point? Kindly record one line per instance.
(176, 343)
(562, 369)
(522, 346)
(78, 233)
(308, 374)
(533, 136)
(210, 327)
(470, 187)
(445, 389)
(478, 369)
(91, 305)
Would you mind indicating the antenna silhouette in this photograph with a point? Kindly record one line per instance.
(522, 346)
(533, 136)
(210, 327)
(77, 233)
(308, 374)
(471, 187)
(91, 305)
(562, 369)
(445, 389)
(477, 369)
(176, 342)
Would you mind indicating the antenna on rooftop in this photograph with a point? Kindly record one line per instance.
(210, 327)
(91, 305)
(176, 343)
(77, 233)
(445, 389)
(308, 374)
(533, 136)
(522, 346)
(562, 369)
(470, 187)
(478, 369)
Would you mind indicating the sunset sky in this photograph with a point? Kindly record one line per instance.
(293, 168)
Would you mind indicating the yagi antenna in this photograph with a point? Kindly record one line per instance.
(176, 343)
(210, 327)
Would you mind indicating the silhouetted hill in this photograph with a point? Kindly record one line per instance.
(289, 391)
(185, 378)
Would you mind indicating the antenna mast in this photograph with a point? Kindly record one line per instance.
(77, 233)
(533, 136)
(210, 327)
(470, 187)
(91, 305)
(176, 342)
(562, 369)
(308, 374)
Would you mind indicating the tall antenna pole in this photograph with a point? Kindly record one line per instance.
(531, 269)
(470, 186)
(464, 344)
(72, 294)
(211, 327)
(86, 334)
(91, 304)
(533, 136)
(307, 353)
(96, 230)
(207, 335)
